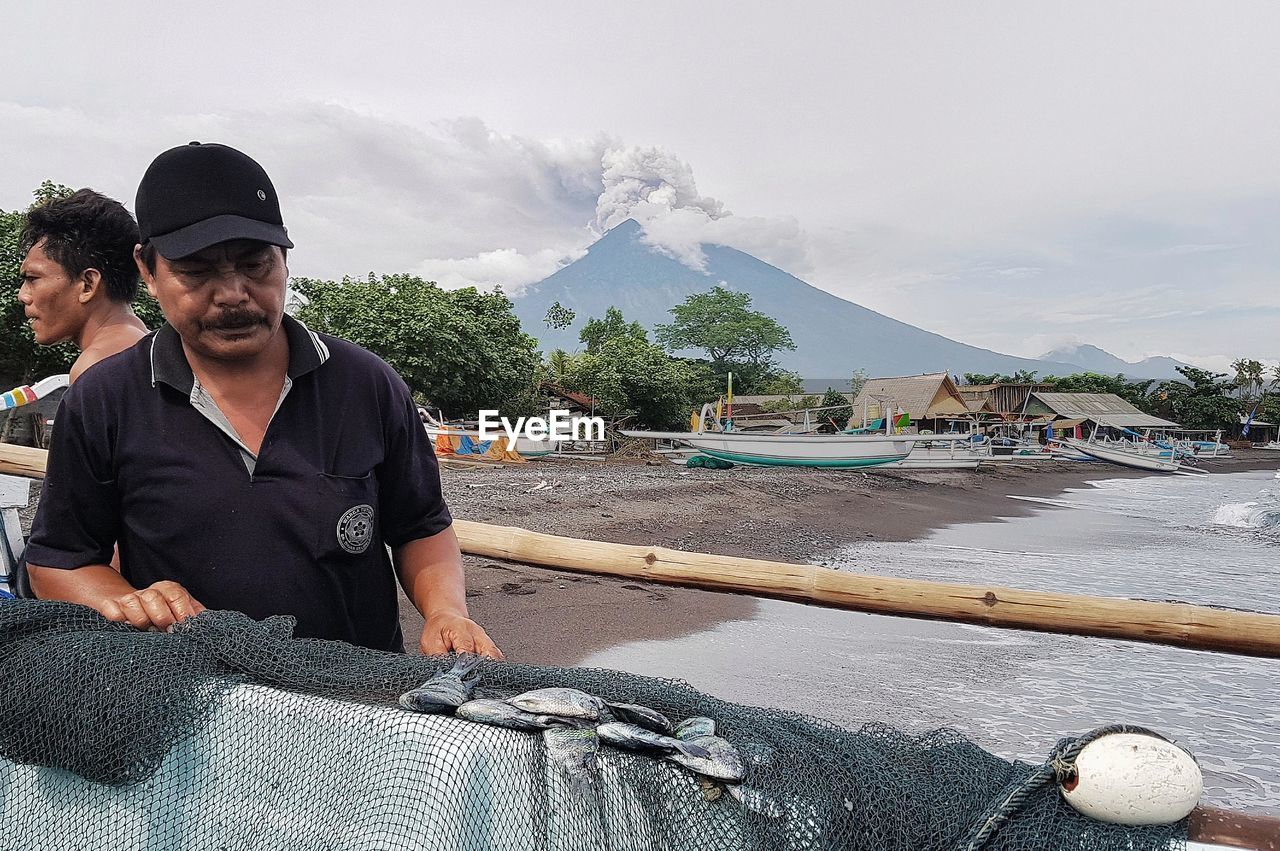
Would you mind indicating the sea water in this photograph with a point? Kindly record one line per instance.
(1212, 540)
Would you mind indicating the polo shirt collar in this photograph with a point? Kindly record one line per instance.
(307, 352)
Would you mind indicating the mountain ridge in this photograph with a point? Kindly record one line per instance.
(832, 335)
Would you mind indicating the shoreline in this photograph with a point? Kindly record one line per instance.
(548, 617)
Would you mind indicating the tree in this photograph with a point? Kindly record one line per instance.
(1199, 402)
(628, 375)
(1022, 376)
(857, 381)
(842, 410)
(461, 350)
(781, 383)
(558, 317)
(22, 360)
(612, 327)
(735, 338)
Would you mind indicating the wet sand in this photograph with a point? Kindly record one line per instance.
(551, 617)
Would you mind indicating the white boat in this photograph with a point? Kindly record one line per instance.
(1273, 445)
(792, 450)
(943, 453)
(1125, 454)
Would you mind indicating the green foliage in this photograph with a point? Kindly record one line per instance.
(1022, 376)
(778, 383)
(460, 350)
(1199, 402)
(857, 381)
(1249, 377)
(612, 327)
(559, 317)
(1268, 409)
(842, 412)
(736, 338)
(628, 375)
(1134, 392)
(21, 359)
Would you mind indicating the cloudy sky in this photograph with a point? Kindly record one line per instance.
(1017, 175)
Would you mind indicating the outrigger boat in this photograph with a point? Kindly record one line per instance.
(945, 452)
(788, 449)
(1127, 454)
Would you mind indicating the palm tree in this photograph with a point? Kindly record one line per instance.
(1240, 365)
(1253, 372)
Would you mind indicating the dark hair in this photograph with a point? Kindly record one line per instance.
(149, 255)
(87, 231)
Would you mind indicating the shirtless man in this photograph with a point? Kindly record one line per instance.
(79, 277)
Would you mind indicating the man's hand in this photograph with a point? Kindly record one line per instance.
(451, 633)
(160, 605)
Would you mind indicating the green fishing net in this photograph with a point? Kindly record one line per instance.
(229, 734)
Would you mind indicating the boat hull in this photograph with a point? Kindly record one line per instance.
(1154, 463)
(842, 451)
(957, 457)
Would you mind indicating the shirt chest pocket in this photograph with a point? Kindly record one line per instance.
(346, 517)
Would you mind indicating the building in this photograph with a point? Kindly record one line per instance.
(931, 400)
(1079, 410)
(1007, 400)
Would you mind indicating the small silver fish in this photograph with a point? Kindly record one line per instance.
(499, 713)
(724, 763)
(650, 719)
(636, 738)
(565, 702)
(447, 690)
(574, 750)
(692, 728)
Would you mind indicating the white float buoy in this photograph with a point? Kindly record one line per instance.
(1132, 778)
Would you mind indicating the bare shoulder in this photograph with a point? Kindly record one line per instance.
(110, 342)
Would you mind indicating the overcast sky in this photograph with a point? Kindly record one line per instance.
(1016, 175)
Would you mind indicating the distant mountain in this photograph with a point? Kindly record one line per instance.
(833, 336)
(1098, 360)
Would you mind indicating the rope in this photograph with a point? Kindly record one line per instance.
(1060, 767)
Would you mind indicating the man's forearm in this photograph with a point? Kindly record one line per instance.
(430, 570)
(91, 585)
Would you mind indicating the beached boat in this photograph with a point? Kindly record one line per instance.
(943, 453)
(1125, 454)
(792, 450)
(1273, 445)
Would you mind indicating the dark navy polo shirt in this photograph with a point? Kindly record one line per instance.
(344, 468)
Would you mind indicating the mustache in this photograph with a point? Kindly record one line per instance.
(234, 320)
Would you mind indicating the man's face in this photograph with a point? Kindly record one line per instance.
(226, 301)
(51, 298)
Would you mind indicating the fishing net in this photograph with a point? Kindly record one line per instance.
(229, 734)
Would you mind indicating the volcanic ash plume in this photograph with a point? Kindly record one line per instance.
(642, 183)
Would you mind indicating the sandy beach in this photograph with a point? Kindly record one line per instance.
(549, 617)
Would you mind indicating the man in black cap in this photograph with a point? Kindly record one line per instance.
(241, 460)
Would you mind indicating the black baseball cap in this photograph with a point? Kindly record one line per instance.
(198, 195)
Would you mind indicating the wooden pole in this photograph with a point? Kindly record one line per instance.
(1178, 624)
(1234, 830)
(22, 461)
